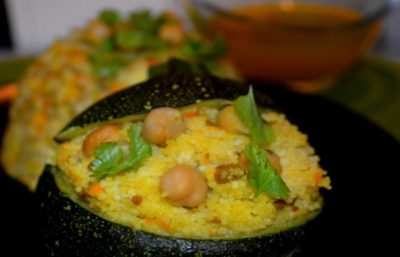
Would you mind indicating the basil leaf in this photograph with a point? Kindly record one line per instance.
(262, 175)
(246, 108)
(109, 156)
(139, 150)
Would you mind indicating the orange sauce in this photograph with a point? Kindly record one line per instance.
(289, 42)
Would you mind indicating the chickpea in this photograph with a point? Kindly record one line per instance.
(184, 186)
(272, 157)
(97, 31)
(106, 133)
(178, 182)
(162, 124)
(198, 195)
(228, 120)
(172, 33)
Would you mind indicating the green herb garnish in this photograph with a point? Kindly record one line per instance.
(106, 67)
(110, 158)
(201, 51)
(146, 22)
(246, 108)
(130, 40)
(262, 175)
(136, 39)
(106, 46)
(177, 66)
(110, 16)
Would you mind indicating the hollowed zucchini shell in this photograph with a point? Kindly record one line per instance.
(69, 228)
(173, 90)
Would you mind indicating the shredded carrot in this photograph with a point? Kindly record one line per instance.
(190, 115)
(116, 86)
(206, 159)
(72, 92)
(78, 57)
(8, 92)
(62, 157)
(159, 222)
(95, 189)
(40, 121)
(317, 177)
(47, 103)
(151, 61)
(83, 80)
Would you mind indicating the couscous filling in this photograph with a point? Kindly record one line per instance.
(192, 174)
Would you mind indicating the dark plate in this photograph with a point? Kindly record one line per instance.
(359, 214)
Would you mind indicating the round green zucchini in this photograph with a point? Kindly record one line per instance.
(70, 228)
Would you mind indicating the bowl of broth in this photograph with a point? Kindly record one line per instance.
(289, 40)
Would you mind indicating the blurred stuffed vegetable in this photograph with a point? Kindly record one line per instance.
(111, 52)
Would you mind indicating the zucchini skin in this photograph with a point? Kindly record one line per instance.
(70, 230)
(172, 90)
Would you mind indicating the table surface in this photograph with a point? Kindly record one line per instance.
(371, 88)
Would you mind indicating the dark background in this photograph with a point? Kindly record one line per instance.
(5, 38)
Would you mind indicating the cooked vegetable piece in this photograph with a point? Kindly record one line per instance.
(227, 173)
(109, 156)
(262, 175)
(136, 199)
(247, 111)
